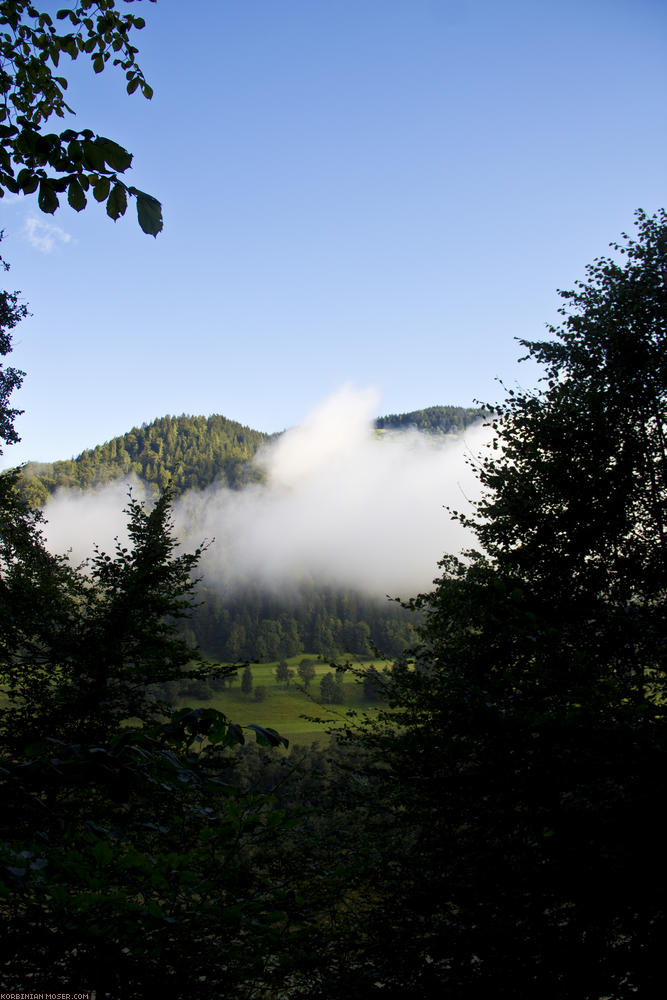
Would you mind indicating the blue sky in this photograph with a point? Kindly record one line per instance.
(379, 192)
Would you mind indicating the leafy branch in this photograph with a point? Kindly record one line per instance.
(31, 94)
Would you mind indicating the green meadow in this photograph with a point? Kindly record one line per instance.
(291, 709)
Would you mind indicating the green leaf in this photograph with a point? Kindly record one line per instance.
(47, 198)
(149, 213)
(101, 189)
(147, 91)
(98, 64)
(132, 85)
(74, 151)
(116, 156)
(75, 195)
(93, 155)
(267, 737)
(117, 202)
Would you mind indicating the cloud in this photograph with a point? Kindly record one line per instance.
(341, 506)
(78, 521)
(44, 236)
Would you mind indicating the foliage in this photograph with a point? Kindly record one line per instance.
(331, 689)
(12, 311)
(183, 452)
(246, 681)
(374, 683)
(284, 673)
(306, 671)
(72, 161)
(524, 749)
(252, 623)
(110, 633)
(432, 420)
(576, 505)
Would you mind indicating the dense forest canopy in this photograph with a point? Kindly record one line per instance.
(185, 452)
(432, 420)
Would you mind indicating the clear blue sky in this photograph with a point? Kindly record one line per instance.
(382, 192)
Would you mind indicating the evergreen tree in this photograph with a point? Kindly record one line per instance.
(246, 682)
(306, 671)
(283, 673)
(526, 745)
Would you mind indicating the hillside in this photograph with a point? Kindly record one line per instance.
(193, 452)
(247, 623)
(432, 420)
(189, 452)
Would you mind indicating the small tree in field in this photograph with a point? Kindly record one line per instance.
(283, 673)
(306, 671)
(331, 689)
(246, 682)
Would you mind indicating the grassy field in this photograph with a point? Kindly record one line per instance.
(284, 708)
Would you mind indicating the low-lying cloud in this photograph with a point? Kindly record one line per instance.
(340, 506)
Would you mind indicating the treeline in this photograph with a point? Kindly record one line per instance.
(252, 624)
(432, 420)
(187, 452)
(191, 453)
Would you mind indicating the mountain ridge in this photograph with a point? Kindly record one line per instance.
(192, 452)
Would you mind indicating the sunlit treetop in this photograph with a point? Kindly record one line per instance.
(32, 96)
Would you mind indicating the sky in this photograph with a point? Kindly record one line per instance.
(381, 194)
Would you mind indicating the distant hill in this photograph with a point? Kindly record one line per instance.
(193, 452)
(432, 420)
(189, 452)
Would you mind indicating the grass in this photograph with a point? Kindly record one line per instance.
(284, 707)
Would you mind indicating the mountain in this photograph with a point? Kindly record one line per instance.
(247, 623)
(189, 452)
(193, 452)
(432, 420)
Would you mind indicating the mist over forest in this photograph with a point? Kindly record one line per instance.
(333, 501)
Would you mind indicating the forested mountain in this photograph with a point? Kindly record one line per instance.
(193, 452)
(188, 452)
(432, 420)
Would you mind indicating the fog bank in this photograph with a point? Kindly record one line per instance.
(340, 505)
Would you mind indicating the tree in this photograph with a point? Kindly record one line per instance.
(522, 752)
(72, 161)
(12, 311)
(283, 673)
(331, 689)
(575, 507)
(246, 682)
(306, 671)
(91, 663)
(373, 683)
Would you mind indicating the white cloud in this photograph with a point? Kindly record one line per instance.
(44, 236)
(340, 505)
